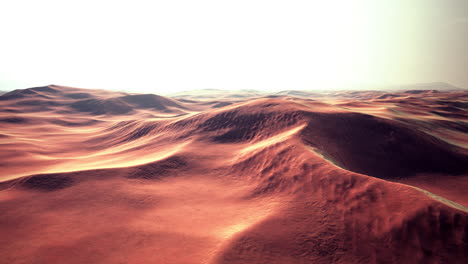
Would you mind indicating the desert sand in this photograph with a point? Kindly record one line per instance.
(96, 176)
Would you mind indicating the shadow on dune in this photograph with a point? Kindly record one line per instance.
(167, 167)
(379, 147)
(48, 182)
(159, 169)
(150, 101)
(101, 107)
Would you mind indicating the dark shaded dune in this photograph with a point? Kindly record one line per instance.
(244, 126)
(123, 132)
(218, 104)
(16, 94)
(201, 97)
(140, 132)
(78, 95)
(101, 107)
(115, 134)
(409, 111)
(449, 109)
(10, 96)
(37, 103)
(102, 141)
(10, 110)
(297, 93)
(269, 104)
(273, 96)
(78, 123)
(47, 89)
(209, 102)
(15, 120)
(431, 233)
(207, 94)
(420, 91)
(439, 235)
(120, 124)
(28, 91)
(150, 101)
(65, 111)
(387, 96)
(460, 115)
(160, 169)
(241, 95)
(56, 181)
(354, 104)
(240, 124)
(48, 182)
(172, 116)
(186, 100)
(380, 147)
(463, 105)
(185, 127)
(221, 104)
(38, 92)
(459, 126)
(30, 107)
(404, 102)
(359, 95)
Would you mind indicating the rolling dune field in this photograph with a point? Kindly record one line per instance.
(96, 176)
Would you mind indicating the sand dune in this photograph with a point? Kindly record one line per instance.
(95, 176)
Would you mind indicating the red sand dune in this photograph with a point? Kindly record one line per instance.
(94, 176)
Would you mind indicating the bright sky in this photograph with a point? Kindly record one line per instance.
(173, 45)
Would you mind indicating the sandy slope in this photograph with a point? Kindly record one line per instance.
(92, 176)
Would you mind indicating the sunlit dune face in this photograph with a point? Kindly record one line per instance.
(271, 141)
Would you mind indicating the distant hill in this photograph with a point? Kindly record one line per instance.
(316, 93)
(94, 101)
(217, 93)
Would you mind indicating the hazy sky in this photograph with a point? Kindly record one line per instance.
(166, 46)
